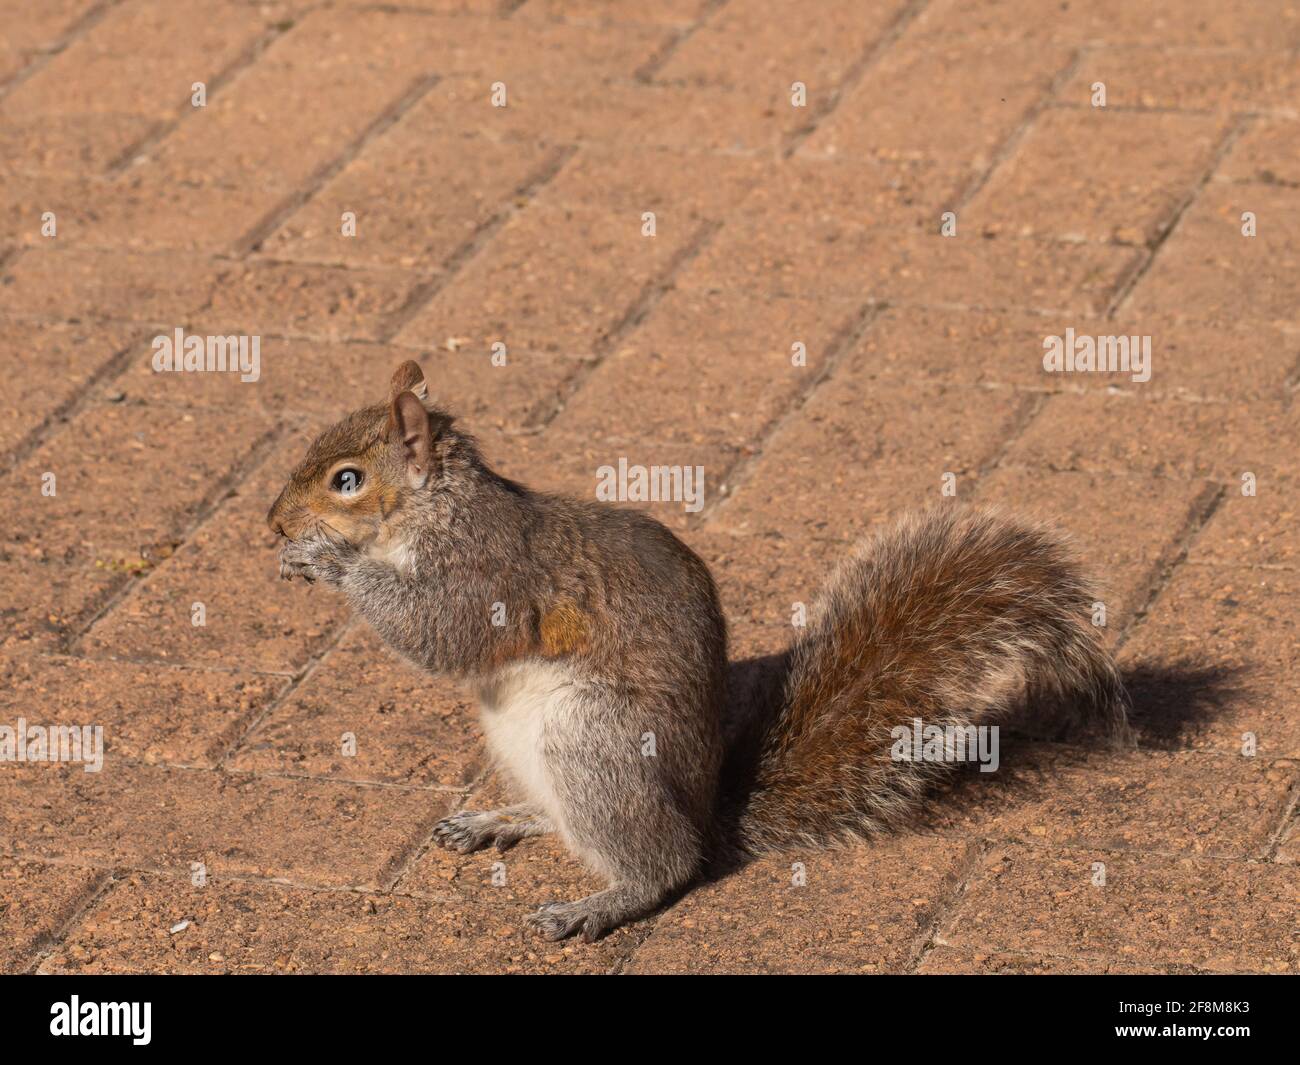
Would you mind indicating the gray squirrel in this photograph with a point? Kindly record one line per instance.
(612, 633)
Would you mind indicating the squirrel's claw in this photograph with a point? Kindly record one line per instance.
(554, 921)
(289, 570)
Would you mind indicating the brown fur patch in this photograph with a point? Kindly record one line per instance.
(564, 630)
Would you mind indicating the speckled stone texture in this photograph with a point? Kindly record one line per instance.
(837, 309)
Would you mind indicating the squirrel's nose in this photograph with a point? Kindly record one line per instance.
(273, 521)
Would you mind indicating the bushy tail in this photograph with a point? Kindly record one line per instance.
(957, 617)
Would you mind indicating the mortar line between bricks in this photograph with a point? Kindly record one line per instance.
(646, 72)
(163, 663)
(77, 30)
(1126, 286)
(1007, 148)
(317, 180)
(1203, 508)
(400, 866)
(209, 503)
(651, 293)
(504, 11)
(262, 775)
(873, 54)
(295, 683)
(117, 871)
(259, 453)
(422, 294)
(219, 81)
(1145, 109)
(639, 938)
(855, 328)
(77, 403)
(317, 778)
(949, 905)
(1031, 407)
(100, 887)
(1288, 815)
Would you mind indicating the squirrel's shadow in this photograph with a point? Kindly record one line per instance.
(1172, 703)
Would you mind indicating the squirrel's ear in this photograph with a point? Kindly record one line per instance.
(409, 378)
(413, 434)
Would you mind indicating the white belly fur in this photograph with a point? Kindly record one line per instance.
(519, 704)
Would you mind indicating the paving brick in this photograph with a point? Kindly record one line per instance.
(949, 99)
(53, 148)
(74, 284)
(302, 299)
(108, 507)
(506, 50)
(1268, 152)
(409, 727)
(48, 604)
(761, 581)
(295, 377)
(12, 63)
(857, 456)
(674, 377)
(803, 254)
(674, 184)
(49, 366)
(148, 713)
(1221, 806)
(944, 961)
(256, 928)
(678, 13)
(1140, 169)
(41, 27)
(574, 463)
(1207, 269)
(887, 193)
(324, 381)
(1213, 915)
(991, 349)
(251, 619)
(764, 54)
(1159, 437)
(865, 909)
(28, 200)
(1123, 528)
(1255, 530)
(1233, 632)
(36, 901)
(617, 114)
(1186, 80)
(140, 59)
(446, 7)
(306, 831)
(335, 72)
(411, 208)
(146, 209)
(552, 279)
(1161, 23)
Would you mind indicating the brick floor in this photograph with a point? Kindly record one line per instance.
(229, 743)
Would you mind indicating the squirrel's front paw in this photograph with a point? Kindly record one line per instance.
(315, 558)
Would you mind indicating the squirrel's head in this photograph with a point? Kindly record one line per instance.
(366, 471)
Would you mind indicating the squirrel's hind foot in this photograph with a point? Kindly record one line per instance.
(593, 917)
(474, 830)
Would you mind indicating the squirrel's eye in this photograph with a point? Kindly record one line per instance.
(346, 480)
